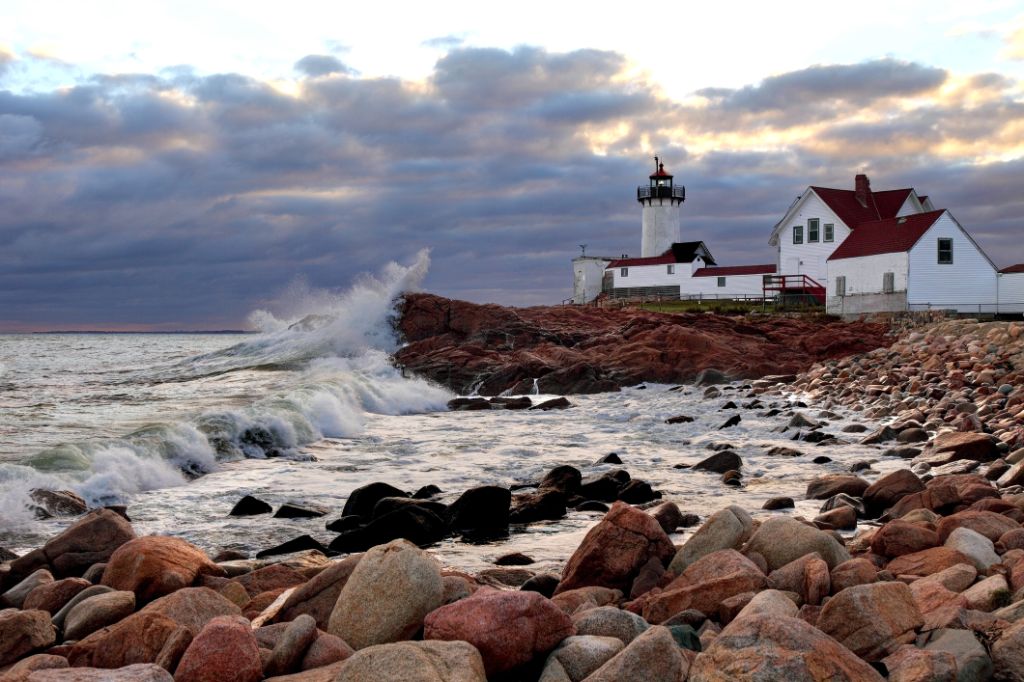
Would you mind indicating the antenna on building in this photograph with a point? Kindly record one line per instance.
(655, 164)
(583, 248)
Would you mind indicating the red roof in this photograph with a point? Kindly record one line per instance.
(892, 235)
(736, 270)
(844, 204)
(667, 257)
(1013, 269)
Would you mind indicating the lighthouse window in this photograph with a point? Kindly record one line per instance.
(670, 269)
(798, 234)
(623, 272)
(721, 281)
(812, 230)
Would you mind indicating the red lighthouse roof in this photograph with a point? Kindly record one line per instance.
(659, 170)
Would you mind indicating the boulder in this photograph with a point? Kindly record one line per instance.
(872, 620)
(824, 487)
(250, 506)
(652, 657)
(807, 576)
(20, 671)
(765, 646)
(139, 638)
(139, 672)
(720, 462)
(910, 664)
(890, 489)
(540, 506)
(390, 591)
(326, 649)
(953, 446)
(225, 650)
(22, 632)
(362, 500)
(58, 618)
(704, 585)
(50, 597)
(155, 565)
(318, 596)
(857, 571)
(987, 594)
(615, 550)
(416, 524)
(297, 637)
(89, 540)
(772, 602)
(781, 540)
(897, 538)
(578, 656)
(987, 523)
(269, 578)
(972, 660)
(508, 628)
(193, 607)
(926, 562)
(98, 612)
(725, 529)
(610, 621)
(668, 515)
(484, 509)
(15, 596)
(294, 510)
(978, 549)
(1008, 654)
(428, 661)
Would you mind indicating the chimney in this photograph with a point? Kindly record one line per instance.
(862, 189)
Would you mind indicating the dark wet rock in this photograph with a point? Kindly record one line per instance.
(553, 404)
(817, 437)
(250, 506)
(783, 451)
(860, 465)
(57, 503)
(299, 544)
(604, 487)
(720, 462)
(840, 518)
(688, 520)
(469, 404)
(802, 421)
(902, 453)
(912, 435)
(483, 509)
(731, 421)
(544, 583)
(514, 559)
(290, 510)
(610, 458)
(679, 419)
(710, 377)
(824, 487)
(668, 516)
(520, 403)
(427, 492)
(548, 504)
(854, 428)
(774, 503)
(345, 523)
(821, 459)
(729, 406)
(882, 435)
(592, 506)
(843, 500)
(362, 500)
(638, 492)
(564, 478)
(415, 524)
(386, 505)
(688, 617)
(7, 555)
(733, 478)
(230, 555)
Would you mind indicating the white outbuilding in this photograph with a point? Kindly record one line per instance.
(1011, 289)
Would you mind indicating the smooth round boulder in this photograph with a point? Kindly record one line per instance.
(223, 651)
(654, 656)
(155, 565)
(387, 596)
(428, 661)
(780, 540)
(578, 656)
(51, 597)
(22, 632)
(872, 620)
(610, 621)
(97, 612)
(507, 628)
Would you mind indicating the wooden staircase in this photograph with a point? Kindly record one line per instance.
(794, 289)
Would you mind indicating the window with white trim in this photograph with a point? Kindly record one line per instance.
(670, 269)
(813, 230)
(888, 282)
(830, 232)
(721, 281)
(945, 251)
(623, 272)
(798, 234)
(840, 286)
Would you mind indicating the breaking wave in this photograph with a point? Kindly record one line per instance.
(332, 352)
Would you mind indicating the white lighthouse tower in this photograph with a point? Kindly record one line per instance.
(661, 201)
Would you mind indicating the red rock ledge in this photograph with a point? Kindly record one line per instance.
(571, 349)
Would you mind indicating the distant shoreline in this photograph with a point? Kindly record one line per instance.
(183, 331)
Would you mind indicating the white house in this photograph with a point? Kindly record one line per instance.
(921, 261)
(1010, 284)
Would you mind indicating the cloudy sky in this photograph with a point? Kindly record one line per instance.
(176, 165)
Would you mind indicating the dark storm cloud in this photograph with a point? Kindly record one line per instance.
(315, 65)
(182, 199)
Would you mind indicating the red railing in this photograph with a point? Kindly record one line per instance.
(794, 284)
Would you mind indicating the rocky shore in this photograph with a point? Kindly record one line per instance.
(489, 349)
(925, 581)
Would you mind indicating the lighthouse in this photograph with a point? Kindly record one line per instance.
(660, 200)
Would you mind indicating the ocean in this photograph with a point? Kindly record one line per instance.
(180, 426)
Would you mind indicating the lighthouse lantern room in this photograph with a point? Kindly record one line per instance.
(660, 200)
